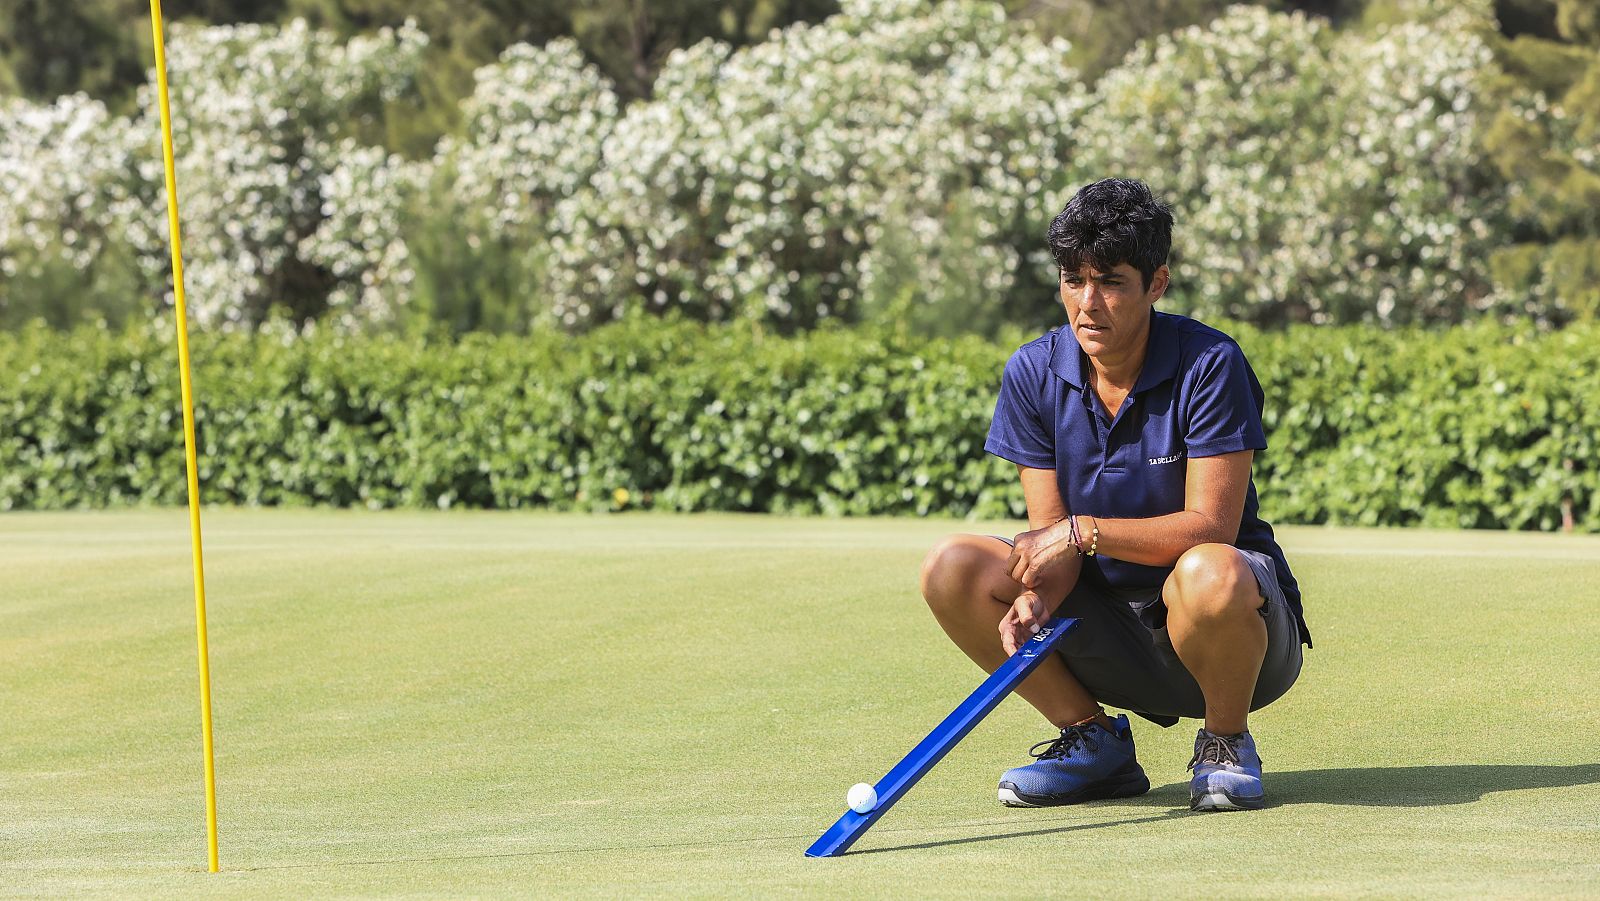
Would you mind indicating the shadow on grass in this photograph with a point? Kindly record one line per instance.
(1406, 786)
(1002, 836)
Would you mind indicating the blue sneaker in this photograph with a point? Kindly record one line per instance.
(1085, 764)
(1227, 773)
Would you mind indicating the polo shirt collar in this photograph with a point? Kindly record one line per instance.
(1160, 355)
(1160, 358)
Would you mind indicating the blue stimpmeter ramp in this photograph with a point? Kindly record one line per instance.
(932, 749)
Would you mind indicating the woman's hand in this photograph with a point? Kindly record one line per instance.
(1045, 555)
(1027, 615)
(1047, 565)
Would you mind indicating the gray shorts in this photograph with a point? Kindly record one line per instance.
(1121, 653)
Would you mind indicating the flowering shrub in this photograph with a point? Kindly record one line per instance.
(900, 160)
(76, 183)
(535, 127)
(262, 111)
(1411, 207)
(359, 245)
(762, 182)
(1315, 176)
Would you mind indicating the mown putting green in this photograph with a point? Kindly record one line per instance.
(510, 704)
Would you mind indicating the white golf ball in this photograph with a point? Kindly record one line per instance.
(862, 798)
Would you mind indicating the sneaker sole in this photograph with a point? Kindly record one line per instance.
(1126, 787)
(1222, 801)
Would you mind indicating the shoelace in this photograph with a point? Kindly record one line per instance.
(1058, 748)
(1214, 750)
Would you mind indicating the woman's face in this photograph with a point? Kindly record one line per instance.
(1110, 311)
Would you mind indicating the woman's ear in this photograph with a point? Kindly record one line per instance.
(1159, 281)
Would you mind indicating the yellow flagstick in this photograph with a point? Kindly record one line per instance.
(188, 434)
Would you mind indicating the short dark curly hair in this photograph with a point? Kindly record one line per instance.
(1111, 222)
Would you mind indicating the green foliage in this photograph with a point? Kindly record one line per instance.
(1545, 142)
(937, 291)
(50, 287)
(631, 40)
(1579, 21)
(1420, 171)
(1564, 276)
(463, 36)
(1572, 274)
(1376, 14)
(1484, 426)
(1547, 66)
(1103, 32)
(1473, 431)
(464, 281)
(53, 48)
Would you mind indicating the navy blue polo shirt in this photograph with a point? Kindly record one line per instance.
(1196, 397)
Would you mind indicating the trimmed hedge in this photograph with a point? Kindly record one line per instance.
(1481, 426)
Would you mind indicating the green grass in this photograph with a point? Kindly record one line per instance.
(454, 705)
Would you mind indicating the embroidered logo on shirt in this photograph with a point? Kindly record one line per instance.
(1157, 461)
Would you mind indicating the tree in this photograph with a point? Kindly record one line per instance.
(1103, 32)
(1543, 141)
(53, 48)
(631, 39)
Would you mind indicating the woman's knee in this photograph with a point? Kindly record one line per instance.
(958, 570)
(1212, 580)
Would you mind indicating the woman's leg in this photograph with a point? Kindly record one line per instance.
(965, 583)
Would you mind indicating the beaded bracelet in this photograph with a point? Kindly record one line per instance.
(1094, 539)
